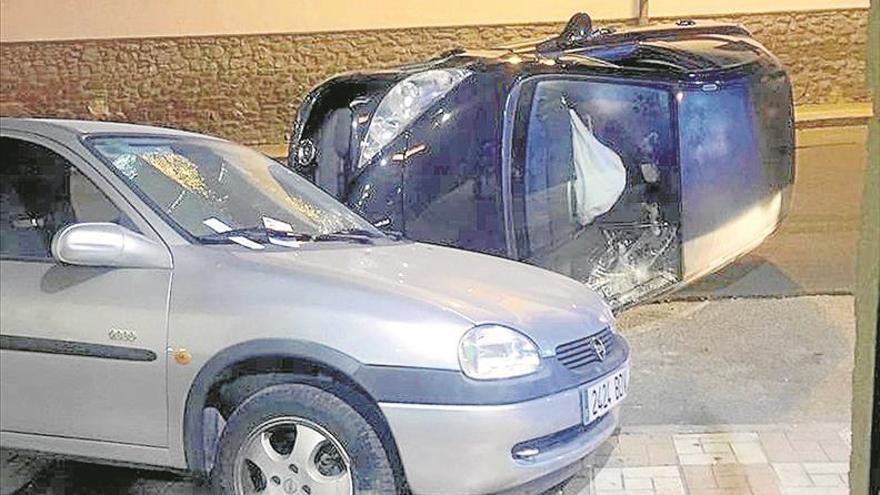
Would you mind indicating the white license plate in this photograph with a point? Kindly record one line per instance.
(599, 398)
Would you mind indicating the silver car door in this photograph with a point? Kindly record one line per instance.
(83, 348)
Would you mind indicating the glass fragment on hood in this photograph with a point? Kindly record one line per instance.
(599, 172)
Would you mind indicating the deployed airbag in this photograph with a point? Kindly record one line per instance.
(599, 172)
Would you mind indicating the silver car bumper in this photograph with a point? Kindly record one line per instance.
(470, 449)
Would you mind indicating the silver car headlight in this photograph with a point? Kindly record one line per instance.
(403, 104)
(491, 352)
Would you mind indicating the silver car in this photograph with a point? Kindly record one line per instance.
(175, 300)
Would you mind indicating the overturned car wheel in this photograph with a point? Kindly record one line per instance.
(299, 439)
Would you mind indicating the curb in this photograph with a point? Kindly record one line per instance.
(844, 114)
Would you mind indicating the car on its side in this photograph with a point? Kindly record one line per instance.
(635, 160)
(176, 300)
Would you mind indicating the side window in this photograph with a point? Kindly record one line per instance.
(41, 192)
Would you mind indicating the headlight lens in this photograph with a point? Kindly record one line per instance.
(490, 352)
(403, 104)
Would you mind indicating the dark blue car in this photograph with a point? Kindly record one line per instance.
(633, 160)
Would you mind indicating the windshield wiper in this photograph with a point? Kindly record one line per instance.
(363, 236)
(372, 234)
(262, 234)
(255, 233)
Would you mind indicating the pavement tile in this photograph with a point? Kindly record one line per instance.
(815, 490)
(749, 452)
(728, 470)
(757, 470)
(836, 449)
(651, 472)
(608, 479)
(814, 432)
(706, 459)
(833, 480)
(662, 454)
(633, 445)
(826, 467)
(717, 448)
(762, 479)
(808, 450)
(659, 437)
(639, 484)
(669, 486)
(720, 491)
(699, 477)
(777, 447)
(738, 436)
(668, 483)
(791, 475)
(732, 481)
(687, 444)
(623, 461)
(766, 489)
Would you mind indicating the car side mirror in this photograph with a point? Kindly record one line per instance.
(107, 245)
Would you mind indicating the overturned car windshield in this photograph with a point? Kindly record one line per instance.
(210, 187)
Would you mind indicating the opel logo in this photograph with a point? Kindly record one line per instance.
(289, 486)
(599, 348)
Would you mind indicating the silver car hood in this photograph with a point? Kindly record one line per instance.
(550, 308)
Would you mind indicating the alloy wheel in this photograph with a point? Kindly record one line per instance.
(292, 456)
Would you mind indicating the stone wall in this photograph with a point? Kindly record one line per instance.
(246, 88)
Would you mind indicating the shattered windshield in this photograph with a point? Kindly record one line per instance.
(209, 187)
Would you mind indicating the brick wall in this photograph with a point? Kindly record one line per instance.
(246, 88)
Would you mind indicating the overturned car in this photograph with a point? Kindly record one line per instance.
(633, 160)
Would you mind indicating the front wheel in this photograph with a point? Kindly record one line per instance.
(298, 439)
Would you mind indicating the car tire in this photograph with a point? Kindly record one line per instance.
(308, 409)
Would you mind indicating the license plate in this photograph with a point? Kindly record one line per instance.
(599, 398)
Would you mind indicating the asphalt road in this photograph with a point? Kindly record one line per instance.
(768, 340)
(741, 361)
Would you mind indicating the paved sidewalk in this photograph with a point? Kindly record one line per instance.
(731, 460)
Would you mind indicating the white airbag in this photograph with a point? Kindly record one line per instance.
(600, 174)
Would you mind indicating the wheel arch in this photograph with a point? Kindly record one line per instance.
(272, 357)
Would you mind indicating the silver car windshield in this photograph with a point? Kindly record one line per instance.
(207, 187)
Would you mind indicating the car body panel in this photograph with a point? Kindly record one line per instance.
(118, 399)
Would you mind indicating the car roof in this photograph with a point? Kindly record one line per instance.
(52, 127)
